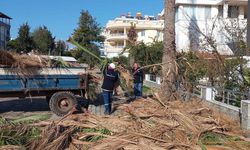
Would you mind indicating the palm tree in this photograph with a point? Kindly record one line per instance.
(248, 27)
(168, 87)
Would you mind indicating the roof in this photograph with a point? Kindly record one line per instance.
(64, 58)
(2, 15)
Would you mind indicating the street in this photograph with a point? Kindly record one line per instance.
(15, 107)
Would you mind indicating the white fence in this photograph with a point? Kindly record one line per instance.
(152, 80)
(226, 101)
(232, 103)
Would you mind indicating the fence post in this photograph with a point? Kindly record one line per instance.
(203, 93)
(245, 114)
(207, 93)
(223, 96)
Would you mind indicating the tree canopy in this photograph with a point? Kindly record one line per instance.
(24, 40)
(60, 48)
(88, 35)
(44, 40)
(147, 54)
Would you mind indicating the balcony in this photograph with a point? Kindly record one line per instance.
(116, 36)
(4, 19)
(5, 22)
(234, 23)
(199, 2)
(120, 23)
(113, 49)
(238, 2)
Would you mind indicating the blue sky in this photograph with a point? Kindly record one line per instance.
(61, 16)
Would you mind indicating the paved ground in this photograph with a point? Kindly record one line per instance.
(15, 107)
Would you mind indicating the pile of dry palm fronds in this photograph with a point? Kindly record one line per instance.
(21, 61)
(145, 124)
(24, 64)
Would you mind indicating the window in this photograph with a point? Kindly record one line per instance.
(221, 10)
(189, 11)
(233, 11)
(158, 34)
(197, 12)
(245, 12)
(143, 33)
(153, 78)
(207, 12)
(2, 33)
(177, 13)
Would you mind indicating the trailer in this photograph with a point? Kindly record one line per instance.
(59, 86)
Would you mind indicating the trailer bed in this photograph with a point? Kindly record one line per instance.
(58, 85)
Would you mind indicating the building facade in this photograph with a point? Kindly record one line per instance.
(148, 28)
(220, 20)
(197, 22)
(4, 30)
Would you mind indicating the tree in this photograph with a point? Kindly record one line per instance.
(24, 40)
(147, 54)
(122, 60)
(43, 39)
(248, 26)
(168, 87)
(132, 38)
(87, 35)
(12, 45)
(60, 47)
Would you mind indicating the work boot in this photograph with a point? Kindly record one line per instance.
(107, 113)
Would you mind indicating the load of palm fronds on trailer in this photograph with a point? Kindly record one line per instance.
(25, 64)
(14, 60)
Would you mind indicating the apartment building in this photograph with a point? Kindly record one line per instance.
(196, 20)
(4, 30)
(149, 28)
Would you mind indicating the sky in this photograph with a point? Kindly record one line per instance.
(61, 16)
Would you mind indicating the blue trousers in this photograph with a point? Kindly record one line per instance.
(107, 99)
(138, 89)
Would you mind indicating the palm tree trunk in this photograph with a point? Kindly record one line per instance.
(248, 29)
(168, 86)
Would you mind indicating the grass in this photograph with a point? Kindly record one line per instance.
(17, 132)
(33, 118)
(3, 121)
(146, 89)
(212, 139)
(15, 137)
(94, 130)
(217, 139)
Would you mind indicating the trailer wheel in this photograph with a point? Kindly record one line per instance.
(62, 102)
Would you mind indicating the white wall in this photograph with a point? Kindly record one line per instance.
(115, 54)
(158, 79)
(195, 21)
(149, 36)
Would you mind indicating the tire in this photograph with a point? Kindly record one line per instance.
(61, 103)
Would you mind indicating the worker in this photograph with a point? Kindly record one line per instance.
(138, 75)
(111, 77)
